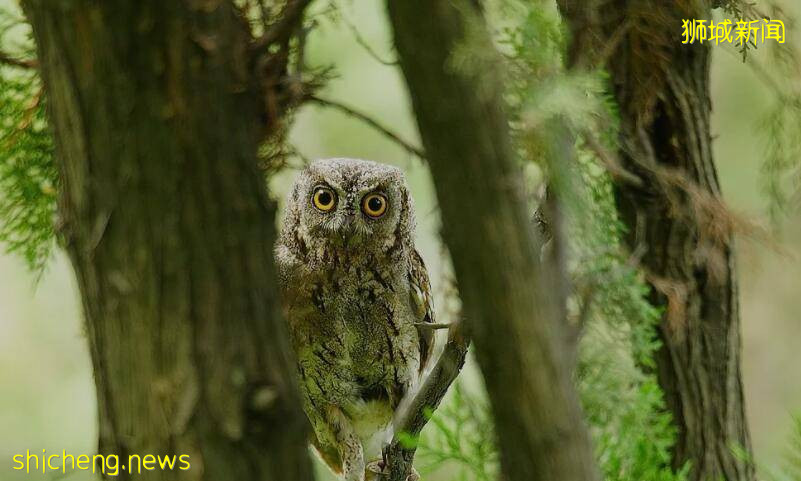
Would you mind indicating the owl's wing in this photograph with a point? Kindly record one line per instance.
(423, 305)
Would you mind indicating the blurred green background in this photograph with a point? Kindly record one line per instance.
(46, 388)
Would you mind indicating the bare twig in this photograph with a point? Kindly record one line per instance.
(610, 46)
(366, 45)
(288, 19)
(609, 159)
(416, 151)
(27, 119)
(398, 457)
(17, 62)
(590, 294)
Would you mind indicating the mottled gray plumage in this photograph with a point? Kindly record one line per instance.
(354, 290)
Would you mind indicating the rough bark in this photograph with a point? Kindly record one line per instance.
(454, 79)
(157, 116)
(676, 214)
(398, 456)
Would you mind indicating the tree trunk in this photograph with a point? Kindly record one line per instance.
(453, 75)
(157, 116)
(662, 88)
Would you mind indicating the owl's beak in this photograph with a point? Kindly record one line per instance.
(347, 222)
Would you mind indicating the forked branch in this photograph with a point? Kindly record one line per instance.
(288, 20)
(398, 456)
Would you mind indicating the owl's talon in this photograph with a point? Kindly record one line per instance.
(375, 470)
(376, 466)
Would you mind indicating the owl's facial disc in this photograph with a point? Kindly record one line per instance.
(360, 213)
(352, 206)
(349, 212)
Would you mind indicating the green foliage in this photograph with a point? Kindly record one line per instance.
(460, 435)
(621, 397)
(630, 426)
(28, 179)
(781, 128)
(790, 470)
(781, 168)
(623, 402)
(780, 125)
(793, 468)
(27, 175)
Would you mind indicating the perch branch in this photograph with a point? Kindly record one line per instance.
(416, 151)
(433, 325)
(398, 457)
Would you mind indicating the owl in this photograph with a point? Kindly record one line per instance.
(357, 298)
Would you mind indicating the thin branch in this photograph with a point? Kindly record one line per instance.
(589, 296)
(288, 19)
(609, 160)
(398, 456)
(610, 46)
(433, 325)
(17, 62)
(27, 119)
(366, 45)
(416, 151)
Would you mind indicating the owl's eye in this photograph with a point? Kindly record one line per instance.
(324, 199)
(374, 205)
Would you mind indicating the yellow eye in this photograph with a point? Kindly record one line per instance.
(324, 199)
(374, 205)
